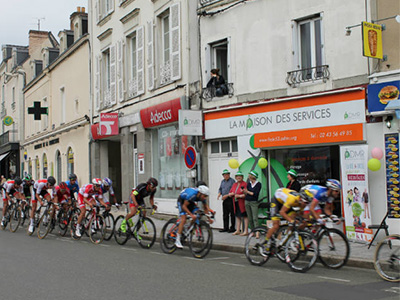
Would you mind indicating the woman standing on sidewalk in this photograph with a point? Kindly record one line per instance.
(237, 195)
(252, 192)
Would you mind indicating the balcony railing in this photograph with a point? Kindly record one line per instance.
(208, 94)
(294, 78)
(10, 136)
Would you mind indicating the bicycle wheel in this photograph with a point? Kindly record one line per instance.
(301, 251)
(200, 239)
(63, 221)
(96, 229)
(254, 246)
(44, 224)
(15, 218)
(145, 232)
(109, 226)
(168, 236)
(279, 236)
(387, 258)
(333, 247)
(120, 237)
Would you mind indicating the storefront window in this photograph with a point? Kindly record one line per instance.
(45, 173)
(30, 166)
(58, 166)
(225, 146)
(37, 173)
(168, 161)
(70, 162)
(214, 147)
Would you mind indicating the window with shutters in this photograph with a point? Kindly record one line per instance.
(170, 45)
(136, 63)
(103, 8)
(108, 76)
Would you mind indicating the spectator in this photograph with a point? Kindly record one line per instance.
(227, 204)
(252, 191)
(3, 179)
(236, 193)
(218, 82)
(293, 184)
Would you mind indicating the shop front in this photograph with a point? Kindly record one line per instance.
(305, 134)
(166, 158)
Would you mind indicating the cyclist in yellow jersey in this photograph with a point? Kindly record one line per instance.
(282, 206)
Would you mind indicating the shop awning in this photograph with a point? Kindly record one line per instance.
(2, 156)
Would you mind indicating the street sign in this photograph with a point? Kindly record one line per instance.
(190, 157)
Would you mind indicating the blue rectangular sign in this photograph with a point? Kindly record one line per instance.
(380, 94)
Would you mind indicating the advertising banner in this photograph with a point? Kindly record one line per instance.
(379, 95)
(163, 113)
(392, 174)
(190, 122)
(355, 194)
(372, 40)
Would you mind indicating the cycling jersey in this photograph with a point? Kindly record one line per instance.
(140, 192)
(284, 197)
(62, 196)
(320, 194)
(40, 188)
(110, 191)
(189, 194)
(87, 191)
(73, 187)
(9, 188)
(28, 189)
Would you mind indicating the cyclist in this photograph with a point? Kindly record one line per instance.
(106, 187)
(40, 187)
(87, 195)
(323, 194)
(187, 205)
(282, 203)
(73, 185)
(27, 185)
(136, 199)
(14, 188)
(62, 195)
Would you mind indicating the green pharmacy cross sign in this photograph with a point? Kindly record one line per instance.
(37, 111)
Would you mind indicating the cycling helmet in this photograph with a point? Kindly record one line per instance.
(107, 182)
(203, 190)
(152, 181)
(63, 185)
(200, 182)
(333, 184)
(306, 196)
(17, 180)
(51, 180)
(72, 176)
(96, 181)
(28, 177)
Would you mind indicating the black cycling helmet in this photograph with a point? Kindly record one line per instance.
(17, 180)
(51, 180)
(72, 176)
(152, 181)
(28, 178)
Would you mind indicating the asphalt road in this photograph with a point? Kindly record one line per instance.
(60, 268)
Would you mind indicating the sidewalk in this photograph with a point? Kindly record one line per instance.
(360, 255)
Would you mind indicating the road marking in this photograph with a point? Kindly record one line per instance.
(103, 245)
(188, 257)
(130, 249)
(215, 258)
(229, 264)
(64, 240)
(158, 253)
(337, 279)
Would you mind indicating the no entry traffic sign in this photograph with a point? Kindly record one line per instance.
(190, 157)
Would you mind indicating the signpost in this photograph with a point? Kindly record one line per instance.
(190, 157)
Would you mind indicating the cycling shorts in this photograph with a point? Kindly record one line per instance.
(43, 193)
(275, 207)
(81, 202)
(140, 202)
(12, 192)
(192, 207)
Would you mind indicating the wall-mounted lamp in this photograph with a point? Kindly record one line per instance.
(396, 17)
(388, 121)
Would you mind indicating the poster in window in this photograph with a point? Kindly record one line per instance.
(168, 146)
(176, 145)
(184, 143)
(392, 174)
(141, 163)
(162, 147)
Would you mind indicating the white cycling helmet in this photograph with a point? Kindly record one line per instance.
(203, 190)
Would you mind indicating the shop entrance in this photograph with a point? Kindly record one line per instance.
(114, 167)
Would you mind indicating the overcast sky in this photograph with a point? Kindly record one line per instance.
(20, 16)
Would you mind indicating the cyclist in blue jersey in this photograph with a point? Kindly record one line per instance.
(106, 187)
(323, 195)
(187, 205)
(73, 185)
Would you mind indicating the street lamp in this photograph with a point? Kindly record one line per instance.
(396, 17)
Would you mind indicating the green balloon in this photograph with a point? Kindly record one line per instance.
(374, 164)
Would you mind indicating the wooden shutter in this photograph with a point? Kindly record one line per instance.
(175, 41)
(150, 56)
(207, 66)
(120, 70)
(97, 87)
(97, 10)
(113, 75)
(140, 59)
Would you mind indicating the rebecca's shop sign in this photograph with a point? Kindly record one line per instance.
(160, 114)
(322, 119)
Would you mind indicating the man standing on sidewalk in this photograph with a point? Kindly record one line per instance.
(227, 204)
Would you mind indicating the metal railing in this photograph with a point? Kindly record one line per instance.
(296, 77)
(208, 94)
